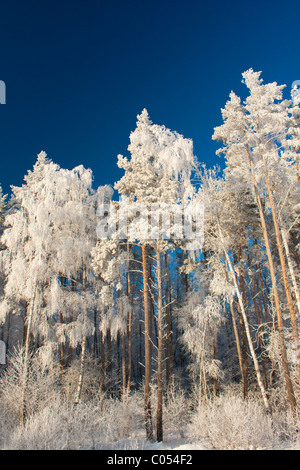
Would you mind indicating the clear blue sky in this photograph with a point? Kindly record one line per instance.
(77, 73)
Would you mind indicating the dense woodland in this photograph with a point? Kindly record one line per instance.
(108, 315)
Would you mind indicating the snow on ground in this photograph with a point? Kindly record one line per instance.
(200, 446)
(175, 446)
(173, 442)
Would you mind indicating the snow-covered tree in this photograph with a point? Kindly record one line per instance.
(254, 134)
(157, 175)
(49, 237)
(199, 319)
(109, 262)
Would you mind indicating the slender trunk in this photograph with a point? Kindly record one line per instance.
(291, 269)
(244, 342)
(283, 264)
(96, 350)
(259, 324)
(81, 373)
(169, 347)
(244, 352)
(250, 343)
(121, 339)
(23, 413)
(62, 352)
(140, 353)
(288, 381)
(263, 297)
(70, 349)
(152, 318)
(83, 348)
(109, 362)
(295, 245)
(215, 356)
(129, 365)
(259, 321)
(129, 326)
(291, 306)
(102, 366)
(202, 385)
(296, 293)
(123, 365)
(62, 344)
(159, 413)
(237, 339)
(247, 329)
(147, 339)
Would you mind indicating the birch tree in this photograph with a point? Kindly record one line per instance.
(49, 236)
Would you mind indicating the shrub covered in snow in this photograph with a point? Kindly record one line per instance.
(230, 422)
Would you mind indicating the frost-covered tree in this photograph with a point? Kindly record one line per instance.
(294, 129)
(157, 175)
(221, 238)
(49, 237)
(109, 262)
(199, 319)
(115, 295)
(254, 133)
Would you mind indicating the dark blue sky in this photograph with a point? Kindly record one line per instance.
(77, 73)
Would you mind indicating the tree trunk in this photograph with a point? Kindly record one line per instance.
(291, 269)
(147, 339)
(109, 363)
(250, 343)
(263, 297)
(62, 344)
(244, 352)
(215, 356)
(169, 347)
(102, 366)
(288, 381)
(23, 413)
(237, 339)
(62, 353)
(129, 326)
(83, 350)
(244, 341)
(81, 373)
(96, 349)
(259, 324)
(129, 364)
(247, 329)
(295, 251)
(123, 365)
(159, 413)
(283, 264)
(70, 349)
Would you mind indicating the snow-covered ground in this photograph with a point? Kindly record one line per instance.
(174, 446)
(172, 442)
